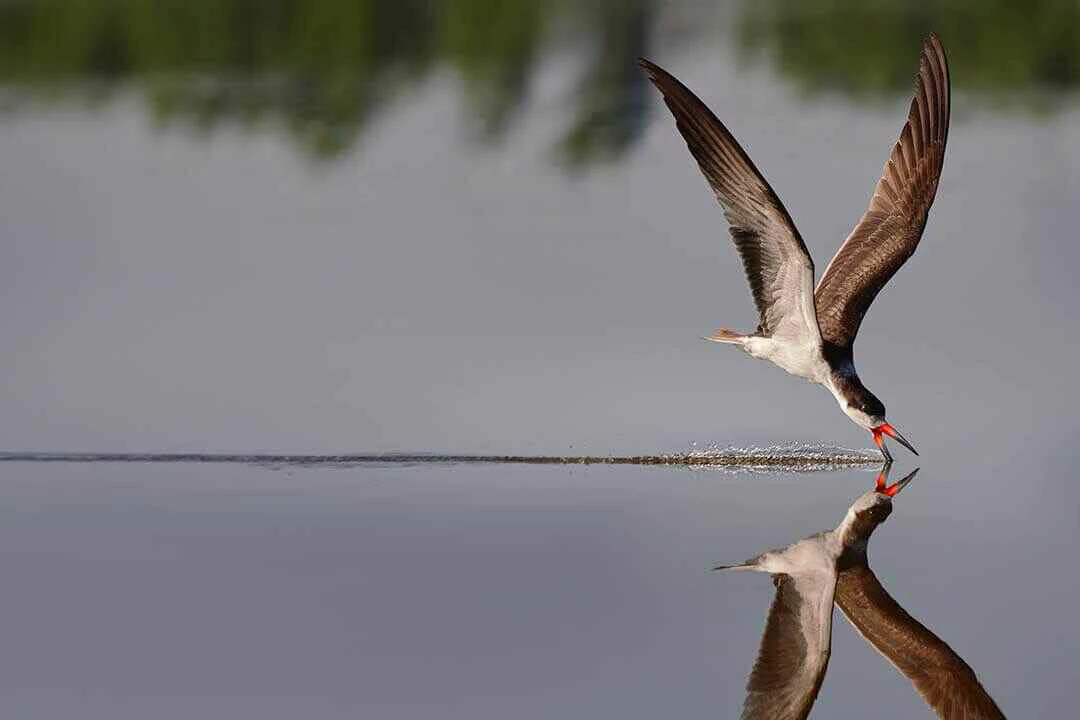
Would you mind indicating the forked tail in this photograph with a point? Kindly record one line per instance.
(723, 335)
(753, 563)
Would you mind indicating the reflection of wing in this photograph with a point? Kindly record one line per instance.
(794, 650)
(776, 261)
(942, 678)
(888, 233)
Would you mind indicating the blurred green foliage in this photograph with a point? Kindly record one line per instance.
(611, 100)
(1013, 53)
(323, 68)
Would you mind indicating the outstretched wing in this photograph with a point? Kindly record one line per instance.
(794, 652)
(889, 232)
(776, 261)
(941, 677)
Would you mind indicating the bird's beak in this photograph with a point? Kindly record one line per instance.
(887, 429)
(894, 489)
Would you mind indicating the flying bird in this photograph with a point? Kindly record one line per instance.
(808, 331)
(946, 683)
(795, 647)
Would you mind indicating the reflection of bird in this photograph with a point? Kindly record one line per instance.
(810, 332)
(942, 678)
(794, 650)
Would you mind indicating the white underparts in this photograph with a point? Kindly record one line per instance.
(800, 359)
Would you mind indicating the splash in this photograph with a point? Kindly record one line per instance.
(791, 457)
(794, 457)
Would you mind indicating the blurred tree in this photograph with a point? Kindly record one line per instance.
(493, 44)
(323, 68)
(1011, 52)
(612, 100)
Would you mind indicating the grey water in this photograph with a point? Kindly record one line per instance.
(407, 231)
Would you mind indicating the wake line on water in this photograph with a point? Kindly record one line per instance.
(788, 457)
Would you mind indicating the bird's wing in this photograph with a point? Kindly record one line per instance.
(775, 259)
(941, 677)
(794, 652)
(888, 233)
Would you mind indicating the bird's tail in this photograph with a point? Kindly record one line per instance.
(723, 335)
(751, 564)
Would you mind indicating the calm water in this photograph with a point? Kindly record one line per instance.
(468, 227)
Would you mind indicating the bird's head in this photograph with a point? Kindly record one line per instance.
(866, 411)
(873, 507)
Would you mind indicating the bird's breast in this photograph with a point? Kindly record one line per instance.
(804, 360)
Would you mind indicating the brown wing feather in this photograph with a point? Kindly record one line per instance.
(941, 677)
(774, 256)
(789, 668)
(889, 232)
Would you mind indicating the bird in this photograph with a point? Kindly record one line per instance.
(806, 330)
(795, 647)
(941, 677)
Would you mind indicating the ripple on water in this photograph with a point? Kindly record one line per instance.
(792, 457)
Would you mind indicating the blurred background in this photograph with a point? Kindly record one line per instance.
(323, 72)
(470, 226)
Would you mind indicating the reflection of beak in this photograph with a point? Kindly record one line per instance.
(887, 429)
(892, 490)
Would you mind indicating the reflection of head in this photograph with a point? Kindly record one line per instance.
(865, 514)
(863, 517)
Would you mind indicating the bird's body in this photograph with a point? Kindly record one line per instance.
(806, 330)
(803, 360)
(795, 646)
